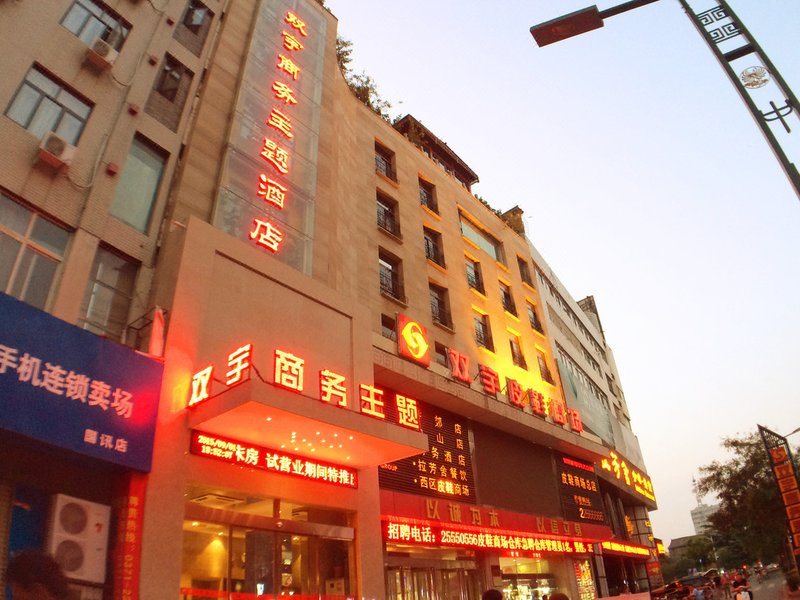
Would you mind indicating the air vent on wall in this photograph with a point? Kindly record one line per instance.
(217, 500)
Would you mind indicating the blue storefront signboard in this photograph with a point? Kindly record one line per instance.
(67, 387)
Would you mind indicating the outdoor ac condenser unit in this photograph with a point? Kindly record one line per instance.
(101, 54)
(55, 151)
(78, 537)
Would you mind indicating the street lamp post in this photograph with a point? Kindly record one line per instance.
(718, 27)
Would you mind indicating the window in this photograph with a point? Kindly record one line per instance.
(193, 29)
(516, 351)
(427, 195)
(433, 246)
(507, 299)
(31, 251)
(387, 215)
(534, 318)
(137, 188)
(388, 327)
(169, 82)
(108, 296)
(474, 279)
(440, 354)
(390, 275)
(482, 239)
(384, 162)
(440, 305)
(89, 20)
(543, 368)
(195, 16)
(483, 334)
(524, 271)
(43, 104)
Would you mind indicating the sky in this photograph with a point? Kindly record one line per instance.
(645, 182)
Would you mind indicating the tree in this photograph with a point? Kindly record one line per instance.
(750, 522)
(361, 84)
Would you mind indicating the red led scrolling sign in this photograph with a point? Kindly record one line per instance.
(433, 534)
(289, 373)
(276, 147)
(275, 461)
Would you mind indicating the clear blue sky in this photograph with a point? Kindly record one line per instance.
(645, 182)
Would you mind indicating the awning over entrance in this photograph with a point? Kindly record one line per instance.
(265, 415)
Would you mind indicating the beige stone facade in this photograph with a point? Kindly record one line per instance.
(429, 306)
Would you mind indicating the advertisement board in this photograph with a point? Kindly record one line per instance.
(70, 388)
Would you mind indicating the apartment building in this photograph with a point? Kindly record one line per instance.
(258, 341)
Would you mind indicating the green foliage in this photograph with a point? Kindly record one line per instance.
(672, 569)
(361, 84)
(750, 523)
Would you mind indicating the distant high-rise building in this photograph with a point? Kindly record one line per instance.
(700, 516)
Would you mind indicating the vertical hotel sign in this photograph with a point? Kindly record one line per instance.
(266, 197)
(780, 460)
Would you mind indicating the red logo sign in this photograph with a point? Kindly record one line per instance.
(412, 341)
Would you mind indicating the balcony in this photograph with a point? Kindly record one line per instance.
(388, 222)
(474, 281)
(391, 286)
(433, 252)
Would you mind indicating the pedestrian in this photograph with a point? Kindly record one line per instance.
(559, 596)
(34, 575)
(725, 583)
(492, 594)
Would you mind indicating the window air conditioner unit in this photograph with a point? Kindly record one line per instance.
(101, 54)
(55, 151)
(77, 537)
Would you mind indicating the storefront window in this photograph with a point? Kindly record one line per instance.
(286, 549)
(530, 578)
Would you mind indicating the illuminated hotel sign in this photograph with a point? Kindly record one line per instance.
(580, 497)
(528, 400)
(412, 341)
(445, 469)
(274, 461)
(291, 373)
(634, 479)
(269, 179)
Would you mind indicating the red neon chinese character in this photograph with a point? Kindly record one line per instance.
(332, 386)
(490, 380)
(575, 422)
(283, 92)
(537, 403)
(295, 22)
(371, 401)
(290, 42)
(271, 191)
(281, 122)
(268, 235)
(288, 65)
(239, 362)
(459, 363)
(275, 155)
(516, 395)
(201, 382)
(407, 412)
(559, 411)
(289, 371)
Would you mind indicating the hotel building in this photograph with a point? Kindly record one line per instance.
(255, 340)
